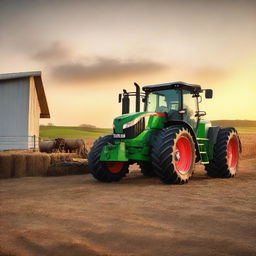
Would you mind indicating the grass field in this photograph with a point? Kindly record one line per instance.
(52, 132)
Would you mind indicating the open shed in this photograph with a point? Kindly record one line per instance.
(22, 104)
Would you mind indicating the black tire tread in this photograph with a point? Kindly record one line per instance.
(161, 154)
(97, 168)
(218, 166)
(147, 169)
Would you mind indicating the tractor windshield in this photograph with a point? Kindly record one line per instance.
(169, 101)
(164, 101)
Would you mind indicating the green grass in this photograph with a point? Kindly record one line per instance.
(52, 132)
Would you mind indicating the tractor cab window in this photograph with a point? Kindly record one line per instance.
(190, 105)
(167, 101)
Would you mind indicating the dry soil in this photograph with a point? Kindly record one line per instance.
(77, 215)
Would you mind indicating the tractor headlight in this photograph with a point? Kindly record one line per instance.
(131, 123)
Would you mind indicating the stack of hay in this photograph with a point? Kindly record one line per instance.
(21, 164)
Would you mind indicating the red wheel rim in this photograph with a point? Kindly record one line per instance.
(233, 152)
(183, 155)
(114, 166)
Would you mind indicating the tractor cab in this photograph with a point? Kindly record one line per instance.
(179, 101)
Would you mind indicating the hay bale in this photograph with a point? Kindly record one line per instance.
(45, 161)
(6, 166)
(19, 165)
(30, 164)
(68, 168)
(37, 164)
(55, 158)
(69, 156)
(62, 157)
(57, 170)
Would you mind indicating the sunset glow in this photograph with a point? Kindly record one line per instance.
(89, 51)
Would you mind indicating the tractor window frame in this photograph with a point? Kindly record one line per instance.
(196, 107)
(167, 89)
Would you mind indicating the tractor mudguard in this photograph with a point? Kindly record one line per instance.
(213, 134)
(115, 152)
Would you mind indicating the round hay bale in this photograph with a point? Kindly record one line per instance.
(6, 166)
(30, 164)
(37, 164)
(43, 162)
(19, 165)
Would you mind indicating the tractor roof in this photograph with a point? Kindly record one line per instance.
(194, 88)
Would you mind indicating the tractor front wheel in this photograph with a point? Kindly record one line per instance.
(105, 171)
(173, 155)
(225, 155)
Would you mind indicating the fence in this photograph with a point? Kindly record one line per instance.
(19, 142)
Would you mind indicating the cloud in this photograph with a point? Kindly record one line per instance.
(210, 74)
(55, 51)
(104, 69)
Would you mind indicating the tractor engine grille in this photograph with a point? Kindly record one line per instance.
(135, 130)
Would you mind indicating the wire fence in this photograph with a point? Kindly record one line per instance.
(19, 142)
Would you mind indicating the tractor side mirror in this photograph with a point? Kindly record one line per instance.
(200, 113)
(208, 93)
(119, 97)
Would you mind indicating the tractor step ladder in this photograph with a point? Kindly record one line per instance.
(202, 144)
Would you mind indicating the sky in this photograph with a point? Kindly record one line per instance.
(89, 51)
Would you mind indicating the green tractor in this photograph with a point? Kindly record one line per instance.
(166, 139)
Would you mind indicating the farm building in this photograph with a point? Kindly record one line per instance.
(22, 103)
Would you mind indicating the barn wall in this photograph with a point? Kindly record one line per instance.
(34, 115)
(14, 99)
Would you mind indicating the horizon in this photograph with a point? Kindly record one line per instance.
(81, 125)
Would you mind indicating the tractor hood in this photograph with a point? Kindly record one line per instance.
(151, 120)
(126, 120)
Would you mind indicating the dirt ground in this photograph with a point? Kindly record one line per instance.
(77, 215)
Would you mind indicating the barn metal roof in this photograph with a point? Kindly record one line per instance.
(39, 88)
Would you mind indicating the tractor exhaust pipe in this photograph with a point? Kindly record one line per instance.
(137, 97)
(125, 103)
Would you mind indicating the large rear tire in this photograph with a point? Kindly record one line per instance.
(105, 171)
(173, 155)
(147, 169)
(225, 155)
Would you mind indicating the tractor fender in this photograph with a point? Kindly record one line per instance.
(212, 134)
(186, 125)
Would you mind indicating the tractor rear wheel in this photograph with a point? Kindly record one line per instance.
(225, 155)
(173, 155)
(105, 171)
(147, 169)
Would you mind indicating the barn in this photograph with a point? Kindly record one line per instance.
(22, 104)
